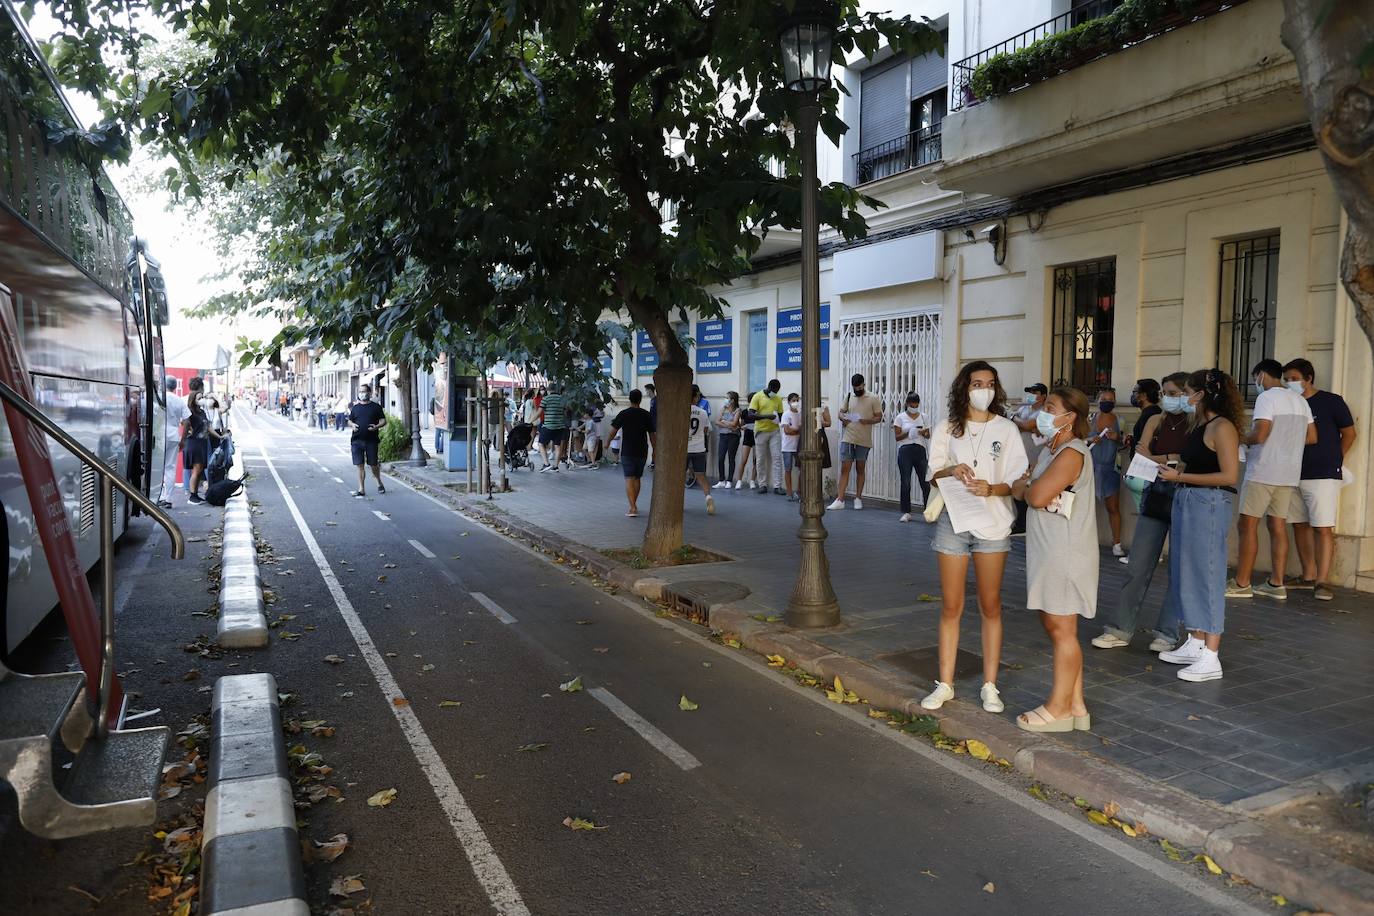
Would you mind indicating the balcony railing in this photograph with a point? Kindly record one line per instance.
(918, 148)
(1051, 58)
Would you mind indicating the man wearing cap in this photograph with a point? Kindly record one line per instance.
(1024, 418)
(859, 413)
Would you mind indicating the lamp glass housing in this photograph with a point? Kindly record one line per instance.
(806, 55)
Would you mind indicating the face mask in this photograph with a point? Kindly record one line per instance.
(1175, 403)
(859, 392)
(1106, 406)
(1045, 423)
(912, 409)
(980, 398)
(1135, 400)
(1028, 399)
(1189, 407)
(792, 405)
(1295, 387)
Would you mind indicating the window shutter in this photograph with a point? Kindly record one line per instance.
(884, 105)
(928, 74)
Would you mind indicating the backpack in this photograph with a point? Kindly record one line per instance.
(221, 491)
(218, 467)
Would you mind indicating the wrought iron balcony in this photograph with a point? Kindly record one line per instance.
(1067, 41)
(918, 148)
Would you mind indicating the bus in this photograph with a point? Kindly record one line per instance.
(89, 303)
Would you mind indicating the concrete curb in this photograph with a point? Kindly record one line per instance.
(250, 846)
(242, 621)
(1233, 838)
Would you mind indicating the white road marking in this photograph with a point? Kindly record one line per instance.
(661, 742)
(314, 459)
(381, 515)
(496, 610)
(424, 551)
(486, 865)
(1083, 830)
(338, 480)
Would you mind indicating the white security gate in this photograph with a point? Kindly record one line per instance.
(896, 354)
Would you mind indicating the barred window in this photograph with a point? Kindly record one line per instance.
(1248, 303)
(1081, 329)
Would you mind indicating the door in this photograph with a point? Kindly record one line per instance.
(758, 354)
(895, 354)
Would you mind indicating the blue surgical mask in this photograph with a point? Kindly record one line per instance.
(1295, 387)
(1189, 407)
(913, 409)
(1045, 423)
(1175, 404)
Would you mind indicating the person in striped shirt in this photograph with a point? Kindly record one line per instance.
(554, 430)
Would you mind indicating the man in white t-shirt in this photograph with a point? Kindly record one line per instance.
(696, 453)
(175, 415)
(1281, 428)
(791, 440)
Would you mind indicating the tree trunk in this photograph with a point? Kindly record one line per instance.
(673, 381)
(1340, 105)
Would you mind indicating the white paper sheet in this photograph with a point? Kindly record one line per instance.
(1143, 468)
(966, 511)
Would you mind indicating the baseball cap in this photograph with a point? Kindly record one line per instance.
(1037, 388)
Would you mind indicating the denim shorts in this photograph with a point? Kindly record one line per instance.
(789, 460)
(851, 452)
(947, 542)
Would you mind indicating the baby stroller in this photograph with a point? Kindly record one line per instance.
(518, 446)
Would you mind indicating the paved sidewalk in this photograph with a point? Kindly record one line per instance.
(1297, 698)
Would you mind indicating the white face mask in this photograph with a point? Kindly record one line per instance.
(913, 410)
(980, 398)
(1174, 403)
(1296, 387)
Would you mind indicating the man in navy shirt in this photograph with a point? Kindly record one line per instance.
(366, 418)
(1320, 486)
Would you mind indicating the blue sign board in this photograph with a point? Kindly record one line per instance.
(789, 355)
(715, 333)
(790, 322)
(646, 363)
(789, 350)
(642, 342)
(714, 340)
(715, 359)
(607, 363)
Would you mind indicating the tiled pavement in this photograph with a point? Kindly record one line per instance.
(1297, 697)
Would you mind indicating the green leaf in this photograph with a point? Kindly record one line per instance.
(572, 686)
(686, 705)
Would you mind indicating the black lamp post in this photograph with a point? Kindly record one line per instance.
(806, 36)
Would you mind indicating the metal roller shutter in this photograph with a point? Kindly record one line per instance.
(884, 105)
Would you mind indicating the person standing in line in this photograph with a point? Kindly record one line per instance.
(1161, 441)
(727, 441)
(1208, 471)
(981, 448)
(748, 467)
(767, 407)
(699, 400)
(1144, 397)
(912, 433)
(553, 432)
(1032, 402)
(1061, 554)
(322, 413)
(175, 413)
(1105, 440)
(633, 427)
(366, 418)
(858, 415)
(1319, 490)
(699, 425)
(791, 439)
(1281, 428)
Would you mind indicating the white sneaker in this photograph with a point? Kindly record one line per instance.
(1206, 668)
(1186, 654)
(1118, 550)
(858, 503)
(906, 517)
(839, 504)
(753, 484)
(1160, 644)
(710, 506)
(720, 484)
(1109, 640)
(992, 700)
(738, 484)
(938, 696)
(1124, 561)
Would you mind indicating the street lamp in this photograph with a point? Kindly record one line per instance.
(417, 450)
(805, 36)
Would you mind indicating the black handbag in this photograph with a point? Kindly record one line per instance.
(825, 451)
(1157, 501)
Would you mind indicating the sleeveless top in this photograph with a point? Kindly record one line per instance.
(1197, 457)
(1169, 440)
(1062, 553)
(1103, 451)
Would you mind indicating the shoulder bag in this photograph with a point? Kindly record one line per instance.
(1157, 500)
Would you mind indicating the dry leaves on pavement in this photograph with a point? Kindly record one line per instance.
(331, 848)
(620, 778)
(572, 686)
(382, 798)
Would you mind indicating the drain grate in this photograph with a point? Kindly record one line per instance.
(694, 597)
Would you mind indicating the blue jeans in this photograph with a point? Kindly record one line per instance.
(912, 457)
(438, 440)
(1197, 558)
(1146, 547)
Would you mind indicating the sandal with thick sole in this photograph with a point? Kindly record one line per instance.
(1039, 720)
(1083, 723)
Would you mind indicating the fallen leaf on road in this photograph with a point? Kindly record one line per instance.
(288, 635)
(602, 649)
(1140, 829)
(1212, 866)
(388, 566)
(877, 714)
(381, 578)
(331, 848)
(772, 618)
(167, 792)
(180, 841)
(1097, 817)
(323, 731)
(1279, 900)
(1081, 802)
(463, 534)
(346, 886)
(445, 704)
(705, 664)
(990, 888)
(333, 659)
(924, 597)
(1038, 793)
(584, 623)
(1126, 829)
(734, 644)
(1171, 850)
(978, 749)
(332, 524)
(621, 778)
(1193, 718)
(382, 798)
(776, 661)
(577, 823)
(686, 705)
(456, 557)
(534, 746)
(1111, 809)
(572, 686)
(400, 701)
(192, 675)
(928, 873)
(426, 667)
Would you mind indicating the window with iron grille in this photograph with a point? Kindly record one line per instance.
(1081, 325)
(1248, 302)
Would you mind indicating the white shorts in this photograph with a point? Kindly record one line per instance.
(1318, 504)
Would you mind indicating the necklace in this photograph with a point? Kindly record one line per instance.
(977, 441)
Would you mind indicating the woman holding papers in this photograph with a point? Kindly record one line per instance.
(1061, 553)
(974, 456)
(1160, 443)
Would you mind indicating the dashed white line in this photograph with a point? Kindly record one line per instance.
(496, 610)
(486, 865)
(424, 551)
(381, 515)
(661, 742)
(337, 479)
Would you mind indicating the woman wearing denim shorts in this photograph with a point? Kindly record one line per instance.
(1207, 477)
(980, 447)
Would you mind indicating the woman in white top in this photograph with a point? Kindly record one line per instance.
(981, 449)
(912, 432)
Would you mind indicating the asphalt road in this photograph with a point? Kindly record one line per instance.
(764, 799)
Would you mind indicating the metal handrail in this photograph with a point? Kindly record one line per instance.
(108, 479)
(909, 151)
